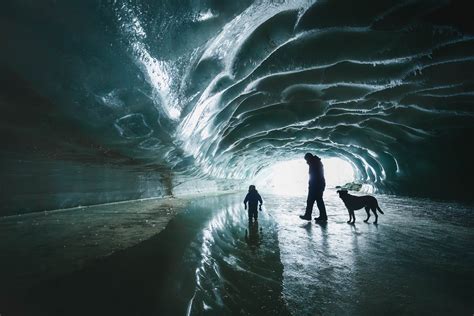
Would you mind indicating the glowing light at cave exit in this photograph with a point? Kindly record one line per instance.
(291, 177)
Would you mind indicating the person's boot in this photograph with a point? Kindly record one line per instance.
(321, 219)
(305, 217)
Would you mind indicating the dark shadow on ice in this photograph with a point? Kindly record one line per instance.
(324, 236)
(253, 235)
(322, 224)
(307, 227)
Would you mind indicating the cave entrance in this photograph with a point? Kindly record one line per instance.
(290, 177)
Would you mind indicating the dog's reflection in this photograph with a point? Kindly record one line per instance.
(253, 235)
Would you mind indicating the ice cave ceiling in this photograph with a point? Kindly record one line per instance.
(225, 88)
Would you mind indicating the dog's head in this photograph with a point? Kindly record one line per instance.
(342, 193)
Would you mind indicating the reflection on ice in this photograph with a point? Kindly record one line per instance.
(253, 235)
(396, 267)
(210, 260)
(416, 260)
(237, 264)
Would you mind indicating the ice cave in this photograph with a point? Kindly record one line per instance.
(131, 131)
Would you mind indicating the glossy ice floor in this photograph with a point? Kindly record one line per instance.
(419, 259)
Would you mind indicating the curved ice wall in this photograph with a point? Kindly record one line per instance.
(112, 100)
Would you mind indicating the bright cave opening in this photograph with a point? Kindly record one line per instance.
(290, 177)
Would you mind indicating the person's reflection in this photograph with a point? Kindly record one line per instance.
(253, 236)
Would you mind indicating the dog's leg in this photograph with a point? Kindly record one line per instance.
(367, 210)
(375, 213)
(350, 216)
(353, 217)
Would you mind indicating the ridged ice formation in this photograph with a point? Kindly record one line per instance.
(223, 89)
(372, 82)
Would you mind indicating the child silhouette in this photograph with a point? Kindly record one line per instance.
(252, 198)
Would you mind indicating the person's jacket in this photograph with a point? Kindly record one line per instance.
(316, 174)
(253, 198)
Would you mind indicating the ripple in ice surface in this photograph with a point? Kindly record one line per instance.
(240, 270)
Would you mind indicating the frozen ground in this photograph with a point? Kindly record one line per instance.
(43, 245)
(419, 259)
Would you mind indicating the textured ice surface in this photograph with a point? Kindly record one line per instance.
(418, 260)
(223, 89)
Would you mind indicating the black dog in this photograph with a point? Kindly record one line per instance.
(357, 202)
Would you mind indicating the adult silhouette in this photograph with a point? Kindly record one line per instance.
(316, 187)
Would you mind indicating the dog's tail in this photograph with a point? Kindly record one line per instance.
(378, 208)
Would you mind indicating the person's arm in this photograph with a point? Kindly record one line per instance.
(260, 200)
(246, 200)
